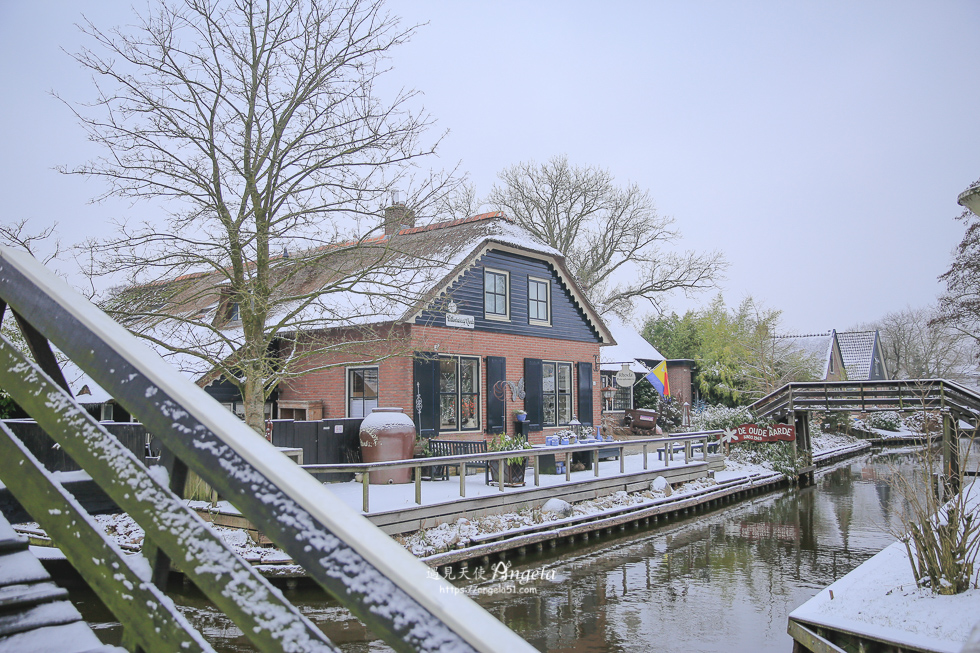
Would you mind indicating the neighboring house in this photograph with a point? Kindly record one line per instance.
(633, 351)
(862, 355)
(90, 395)
(843, 355)
(822, 348)
(501, 325)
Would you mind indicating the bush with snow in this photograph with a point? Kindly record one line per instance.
(714, 417)
(887, 420)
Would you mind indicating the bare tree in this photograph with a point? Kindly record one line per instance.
(918, 345)
(257, 124)
(612, 237)
(769, 361)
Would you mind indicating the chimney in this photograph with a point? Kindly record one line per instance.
(397, 216)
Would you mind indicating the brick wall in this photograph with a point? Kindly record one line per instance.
(395, 373)
(680, 375)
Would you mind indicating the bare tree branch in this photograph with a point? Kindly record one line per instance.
(258, 125)
(612, 237)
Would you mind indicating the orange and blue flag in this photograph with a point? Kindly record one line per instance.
(658, 378)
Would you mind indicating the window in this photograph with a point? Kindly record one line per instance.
(557, 393)
(538, 301)
(495, 304)
(623, 399)
(362, 391)
(234, 315)
(459, 393)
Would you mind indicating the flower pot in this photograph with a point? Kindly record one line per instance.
(388, 434)
(513, 472)
(521, 416)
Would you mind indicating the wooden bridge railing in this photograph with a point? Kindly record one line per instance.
(868, 396)
(380, 582)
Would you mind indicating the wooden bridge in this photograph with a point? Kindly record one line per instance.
(394, 594)
(956, 403)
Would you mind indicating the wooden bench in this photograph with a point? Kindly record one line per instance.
(458, 448)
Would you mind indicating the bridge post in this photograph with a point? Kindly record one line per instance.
(950, 484)
(801, 420)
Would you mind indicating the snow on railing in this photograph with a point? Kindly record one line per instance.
(667, 447)
(382, 584)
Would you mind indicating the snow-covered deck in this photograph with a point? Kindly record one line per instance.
(393, 507)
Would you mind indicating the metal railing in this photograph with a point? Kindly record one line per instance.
(380, 582)
(689, 441)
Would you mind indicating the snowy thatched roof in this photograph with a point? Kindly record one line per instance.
(386, 279)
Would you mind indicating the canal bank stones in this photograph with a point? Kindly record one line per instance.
(660, 485)
(558, 507)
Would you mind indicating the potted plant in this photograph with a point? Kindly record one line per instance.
(514, 466)
(520, 414)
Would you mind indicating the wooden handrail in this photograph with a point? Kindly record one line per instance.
(387, 588)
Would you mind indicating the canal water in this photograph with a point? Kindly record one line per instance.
(723, 580)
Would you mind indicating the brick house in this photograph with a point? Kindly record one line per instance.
(497, 323)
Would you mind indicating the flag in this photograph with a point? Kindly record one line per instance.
(658, 378)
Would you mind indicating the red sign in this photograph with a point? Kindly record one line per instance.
(754, 433)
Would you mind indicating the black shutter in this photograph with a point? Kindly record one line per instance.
(496, 394)
(534, 393)
(585, 393)
(425, 394)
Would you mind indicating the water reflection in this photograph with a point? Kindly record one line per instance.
(720, 581)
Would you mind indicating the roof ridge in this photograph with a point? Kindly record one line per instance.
(804, 335)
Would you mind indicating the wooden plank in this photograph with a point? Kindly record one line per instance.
(812, 641)
(145, 610)
(187, 540)
(372, 575)
(70, 638)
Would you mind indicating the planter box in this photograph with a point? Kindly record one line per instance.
(513, 472)
(642, 418)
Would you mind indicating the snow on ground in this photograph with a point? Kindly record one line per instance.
(450, 536)
(880, 599)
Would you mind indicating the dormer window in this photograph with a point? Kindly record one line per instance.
(496, 300)
(227, 310)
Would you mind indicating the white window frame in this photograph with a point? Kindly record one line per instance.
(459, 394)
(505, 317)
(547, 301)
(555, 393)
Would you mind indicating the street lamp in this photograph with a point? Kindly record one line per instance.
(970, 198)
(608, 393)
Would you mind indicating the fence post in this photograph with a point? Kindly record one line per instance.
(366, 489)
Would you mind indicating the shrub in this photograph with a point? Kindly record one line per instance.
(887, 420)
(922, 422)
(833, 421)
(670, 415)
(943, 536)
(721, 417)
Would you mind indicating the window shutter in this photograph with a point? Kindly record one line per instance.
(533, 393)
(426, 394)
(496, 394)
(585, 393)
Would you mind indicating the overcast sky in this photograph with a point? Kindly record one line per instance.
(819, 145)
